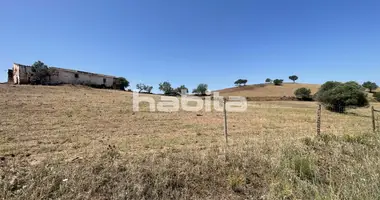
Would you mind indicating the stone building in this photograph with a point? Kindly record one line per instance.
(21, 74)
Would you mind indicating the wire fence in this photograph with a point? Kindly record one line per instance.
(279, 120)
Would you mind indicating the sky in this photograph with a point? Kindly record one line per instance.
(196, 41)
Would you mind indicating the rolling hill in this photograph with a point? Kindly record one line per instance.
(267, 90)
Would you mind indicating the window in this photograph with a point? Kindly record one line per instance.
(76, 75)
(104, 80)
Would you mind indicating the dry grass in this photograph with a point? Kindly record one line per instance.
(73, 142)
(268, 90)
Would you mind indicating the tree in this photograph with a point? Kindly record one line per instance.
(239, 82)
(268, 80)
(182, 90)
(142, 87)
(370, 85)
(293, 78)
(148, 89)
(166, 87)
(201, 89)
(377, 96)
(337, 96)
(278, 81)
(40, 73)
(121, 83)
(303, 94)
(244, 81)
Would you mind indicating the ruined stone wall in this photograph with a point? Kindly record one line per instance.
(78, 77)
(22, 75)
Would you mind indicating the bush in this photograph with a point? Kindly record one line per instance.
(40, 73)
(268, 80)
(278, 81)
(377, 96)
(336, 96)
(121, 83)
(303, 94)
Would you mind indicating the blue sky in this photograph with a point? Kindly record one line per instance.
(196, 41)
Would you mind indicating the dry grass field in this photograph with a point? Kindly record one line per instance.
(73, 142)
(268, 90)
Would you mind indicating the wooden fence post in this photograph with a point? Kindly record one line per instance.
(373, 119)
(225, 120)
(319, 119)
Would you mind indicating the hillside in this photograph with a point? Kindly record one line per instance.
(75, 142)
(267, 90)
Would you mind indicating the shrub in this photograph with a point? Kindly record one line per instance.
(40, 73)
(268, 80)
(303, 94)
(121, 83)
(336, 96)
(377, 96)
(278, 81)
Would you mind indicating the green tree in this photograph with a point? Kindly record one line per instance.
(268, 80)
(336, 96)
(240, 82)
(148, 89)
(293, 78)
(40, 73)
(166, 87)
(303, 94)
(142, 87)
(370, 85)
(278, 81)
(121, 83)
(182, 90)
(201, 89)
